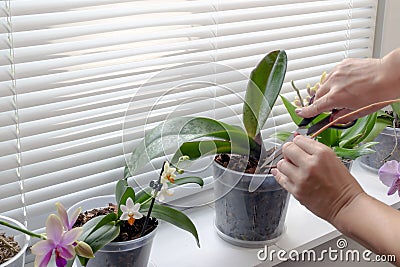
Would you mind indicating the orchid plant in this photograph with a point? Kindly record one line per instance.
(132, 205)
(60, 240)
(182, 134)
(349, 143)
(65, 242)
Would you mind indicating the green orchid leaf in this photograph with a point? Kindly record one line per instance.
(89, 226)
(353, 153)
(262, 90)
(363, 126)
(330, 137)
(369, 127)
(171, 134)
(295, 118)
(70, 263)
(291, 110)
(120, 189)
(350, 141)
(383, 114)
(174, 217)
(281, 136)
(396, 108)
(380, 124)
(189, 180)
(96, 223)
(129, 193)
(369, 144)
(143, 195)
(197, 149)
(111, 217)
(99, 238)
(83, 261)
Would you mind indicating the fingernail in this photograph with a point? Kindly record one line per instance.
(274, 171)
(297, 110)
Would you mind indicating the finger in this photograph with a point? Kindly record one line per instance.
(288, 169)
(322, 90)
(294, 154)
(307, 144)
(283, 180)
(320, 105)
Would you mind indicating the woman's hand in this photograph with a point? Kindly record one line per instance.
(356, 83)
(314, 175)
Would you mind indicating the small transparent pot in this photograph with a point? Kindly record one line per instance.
(244, 218)
(133, 253)
(387, 142)
(23, 240)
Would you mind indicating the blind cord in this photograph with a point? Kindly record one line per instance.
(215, 6)
(14, 90)
(348, 31)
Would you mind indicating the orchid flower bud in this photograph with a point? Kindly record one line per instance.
(84, 250)
(297, 102)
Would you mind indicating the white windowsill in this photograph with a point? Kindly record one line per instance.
(174, 247)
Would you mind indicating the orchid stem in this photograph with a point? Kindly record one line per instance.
(146, 201)
(153, 199)
(388, 102)
(22, 230)
(298, 93)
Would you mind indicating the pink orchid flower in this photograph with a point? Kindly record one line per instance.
(389, 174)
(58, 240)
(62, 213)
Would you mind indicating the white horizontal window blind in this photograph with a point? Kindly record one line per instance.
(71, 70)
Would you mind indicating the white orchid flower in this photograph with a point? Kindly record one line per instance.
(165, 191)
(168, 174)
(130, 211)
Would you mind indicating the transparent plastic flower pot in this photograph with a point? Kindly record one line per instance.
(387, 143)
(244, 218)
(133, 253)
(23, 240)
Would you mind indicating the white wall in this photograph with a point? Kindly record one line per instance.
(387, 35)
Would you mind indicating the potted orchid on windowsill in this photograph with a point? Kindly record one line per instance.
(387, 141)
(60, 241)
(121, 234)
(114, 230)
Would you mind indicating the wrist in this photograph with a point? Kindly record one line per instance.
(389, 76)
(345, 217)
